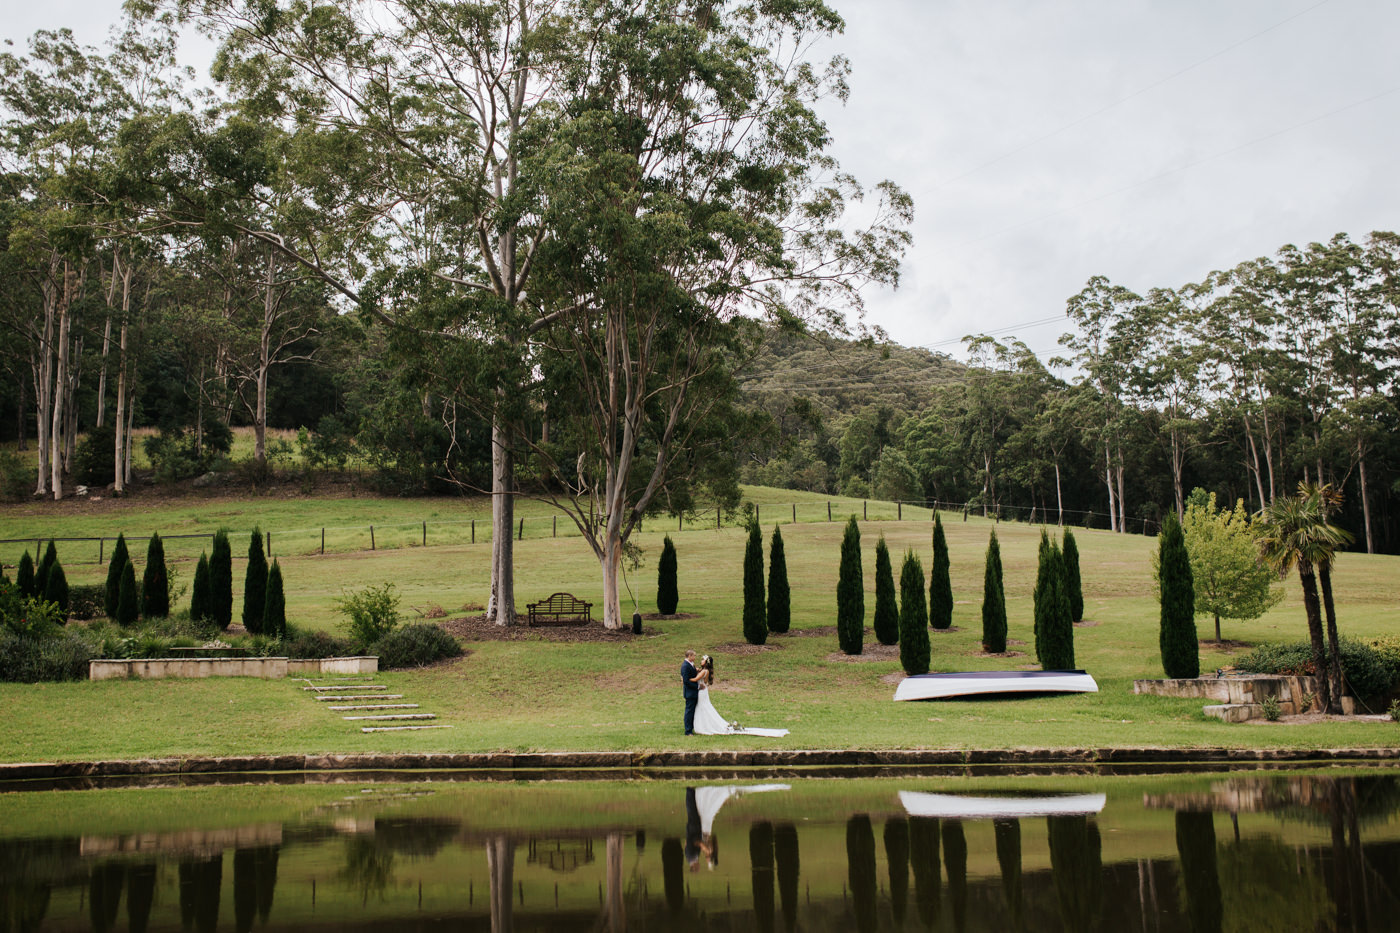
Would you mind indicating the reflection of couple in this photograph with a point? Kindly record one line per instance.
(701, 717)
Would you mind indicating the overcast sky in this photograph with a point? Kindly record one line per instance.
(1047, 142)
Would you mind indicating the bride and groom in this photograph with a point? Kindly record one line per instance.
(701, 717)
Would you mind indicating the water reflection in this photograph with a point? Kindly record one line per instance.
(1235, 854)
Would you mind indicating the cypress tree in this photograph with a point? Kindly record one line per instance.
(993, 601)
(850, 593)
(667, 595)
(1041, 581)
(755, 618)
(275, 611)
(221, 580)
(200, 608)
(1052, 616)
(128, 603)
(56, 586)
(886, 607)
(913, 617)
(255, 585)
(1180, 650)
(155, 583)
(41, 573)
(940, 586)
(120, 557)
(1073, 586)
(779, 596)
(24, 577)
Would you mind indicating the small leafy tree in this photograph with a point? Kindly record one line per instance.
(886, 606)
(667, 593)
(201, 608)
(221, 580)
(913, 615)
(850, 593)
(1230, 580)
(155, 582)
(120, 558)
(24, 577)
(128, 601)
(255, 585)
(779, 596)
(370, 614)
(993, 601)
(1073, 585)
(1052, 615)
(940, 585)
(56, 587)
(755, 616)
(275, 609)
(1177, 638)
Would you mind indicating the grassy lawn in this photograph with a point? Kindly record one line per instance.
(543, 695)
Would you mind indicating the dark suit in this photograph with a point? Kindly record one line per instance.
(691, 691)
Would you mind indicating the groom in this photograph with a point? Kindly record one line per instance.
(690, 690)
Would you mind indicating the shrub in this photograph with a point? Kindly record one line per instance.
(667, 594)
(850, 592)
(371, 613)
(913, 617)
(1052, 616)
(221, 580)
(24, 576)
(1073, 584)
(1272, 711)
(94, 460)
(17, 481)
(255, 586)
(128, 602)
(416, 645)
(1368, 673)
(155, 583)
(299, 644)
(25, 615)
(33, 658)
(119, 559)
(993, 600)
(275, 605)
(886, 605)
(1394, 711)
(56, 587)
(201, 608)
(85, 601)
(755, 614)
(940, 586)
(779, 595)
(46, 564)
(1177, 639)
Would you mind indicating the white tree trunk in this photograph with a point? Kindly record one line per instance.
(60, 385)
(1365, 501)
(501, 607)
(43, 384)
(1059, 496)
(611, 562)
(120, 422)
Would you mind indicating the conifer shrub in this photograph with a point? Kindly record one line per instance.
(1073, 585)
(201, 606)
(755, 614)
(850, 593)
(416, 645)
(41, 573)
(993, 600)
(255, 586)
(221, 580)
(1177, 638)
(1052, 616)
(155, 582)
(56, 587)
(667, 591)
(119, 560)
(85, 601)
(886, 604)
(779, 595)
(1042, 580)
(913, 617)
(940, 585)
(24, 576)
(128, 600)
(274, 615)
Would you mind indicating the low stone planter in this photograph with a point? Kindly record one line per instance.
(1240, 697)
(268, 668)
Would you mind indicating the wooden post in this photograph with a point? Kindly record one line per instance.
(425, 533)
(794, 513)
(899, 513)
(865, 510)
(371, 537)
(755, 515)
(556, 526)
(323, 542)
(269, 543)
(828, 510)
(99, 549)
(473, 531)
(521, 536)
(680, 522)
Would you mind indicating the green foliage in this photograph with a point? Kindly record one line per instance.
(201, 598)
(275, 605)
(315, 644)
(85, 601)
(26, 615)
(371, 613)
(779, 596)
(1042, 582)
(46, 563)
(1393, 711)
(56, 587)
(16, 479)
(940, 585)
(1054, 628)
(914, 650)
(1271, 708)
(1180, 652)
(1229, 579)
(120, 558)
(850, 593)
(24, 576)
(174, 457)
(416, 645)
(886, 605)
(128, 600)
(33, 658)
(1369, 673)
(667, 587)
(155, 582)
(994, 600)
(93, 459)
(255, 585)
(221, 580)
(755, 616)
(1074, 586)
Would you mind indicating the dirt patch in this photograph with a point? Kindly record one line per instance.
(875, 652)
(997, 654)
(743, 648)
(1086, 623)
(1015, 643)
(1225, 644)
(477, 628)
(893, 677)
(821, 631)
(676, 617)
(1303, 719)
(946, 631)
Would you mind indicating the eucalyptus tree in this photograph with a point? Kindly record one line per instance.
(1166, 375)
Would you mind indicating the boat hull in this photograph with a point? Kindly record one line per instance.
(991, 683)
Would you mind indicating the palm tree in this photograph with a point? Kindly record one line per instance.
(1329, 499)
(1294, 530)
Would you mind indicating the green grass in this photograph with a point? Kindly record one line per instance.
(538, 695)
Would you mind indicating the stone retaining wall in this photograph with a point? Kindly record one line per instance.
(1240, 697)
(268, 668)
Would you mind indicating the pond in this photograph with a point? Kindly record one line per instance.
(913, 850)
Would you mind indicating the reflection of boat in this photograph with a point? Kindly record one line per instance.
(971, 683)
(708, 800)
(954, 806)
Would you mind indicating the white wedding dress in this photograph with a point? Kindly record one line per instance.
(708, 721)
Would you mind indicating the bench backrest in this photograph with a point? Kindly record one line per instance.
(562, 602)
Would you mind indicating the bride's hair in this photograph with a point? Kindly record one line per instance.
(708, 663)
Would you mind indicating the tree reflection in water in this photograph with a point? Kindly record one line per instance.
(200, 882)
(105, 894)
(897, 858)
(761, 869)
(673, 873)
(955, 857)
(928, 873)
(1008, 836)
(1200, 879)
(254, 880)
(141, 894)
(860, 858)
(789, 867)
(1076, 862)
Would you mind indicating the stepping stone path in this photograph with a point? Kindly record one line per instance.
(354, 696)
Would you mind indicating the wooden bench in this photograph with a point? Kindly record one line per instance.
(560, 609)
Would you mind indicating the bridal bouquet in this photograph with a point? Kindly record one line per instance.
(735, 726)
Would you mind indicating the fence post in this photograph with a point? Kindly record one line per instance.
(269, 543)
(521, 536)
(323, 542)
(899, 511)
(964, 512)
(425, 533)
(556, 526)
(717, 513)
(756, 519)
(680, 522)
(473, 531)
(794, 513)
(828, 510)
(371, 537)
(865, 510)
(100, 542)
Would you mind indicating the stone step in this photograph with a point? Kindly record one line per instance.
(342, 697)
(400, 728)
(396, 716)
(377, 706)
(348, 687)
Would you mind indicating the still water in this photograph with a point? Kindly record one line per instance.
(1230, 851)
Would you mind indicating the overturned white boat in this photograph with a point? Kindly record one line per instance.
(956, 807)
(990, 683)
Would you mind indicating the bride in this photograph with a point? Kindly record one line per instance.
(708, 721)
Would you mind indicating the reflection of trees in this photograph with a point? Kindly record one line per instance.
(141, 894)
(1195, 844)
(928, 873)
(254, 879)
(22, 906)
(500, 862)
(27, 871)
(955, 857)
(200, 880)
(761, 867)
(105, 894)
(785, 853)
(673, 873)
(368, 866)
(1008, 835)
(1266, 888)
(860, 856)
(1076, 862)
(897, 857)
(417, 837)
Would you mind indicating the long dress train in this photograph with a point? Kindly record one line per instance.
(708, 721)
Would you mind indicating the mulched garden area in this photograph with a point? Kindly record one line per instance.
(477, 628)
